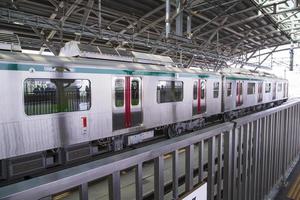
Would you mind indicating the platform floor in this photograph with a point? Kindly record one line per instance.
(291, 191)
(99, 190)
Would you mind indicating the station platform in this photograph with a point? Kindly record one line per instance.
(291, 188)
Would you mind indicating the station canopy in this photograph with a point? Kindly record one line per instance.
(195, 33)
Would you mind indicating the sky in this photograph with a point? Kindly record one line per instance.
(279, 65)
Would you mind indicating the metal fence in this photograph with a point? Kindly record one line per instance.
(245, 159)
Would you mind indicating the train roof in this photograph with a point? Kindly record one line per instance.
(73, 62)
(69, 62)
(238, 73)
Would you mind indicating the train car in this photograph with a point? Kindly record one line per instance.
(249, 91)
(58, 110)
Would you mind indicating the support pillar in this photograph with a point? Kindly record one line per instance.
(292, 57)
(179, 18)
(189, 26)
(168, 25)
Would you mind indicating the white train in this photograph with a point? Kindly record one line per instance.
(55, 110)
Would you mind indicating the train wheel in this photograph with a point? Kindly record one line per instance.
(171, 132)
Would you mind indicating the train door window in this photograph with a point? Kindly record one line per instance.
(239, 93)
(267, 87)
(195, 90)
(239, 88)
(119, 92)
(46, 96)
(203, 85)
(169, 91)
(216, 89)
(135, 92)
(251, 88)
(229, 89)
(260, 93)
(279, 88)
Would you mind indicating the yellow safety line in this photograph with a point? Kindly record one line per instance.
(61, 196)
(294, 192)
(170, 154)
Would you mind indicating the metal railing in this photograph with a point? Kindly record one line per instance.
(246, 159)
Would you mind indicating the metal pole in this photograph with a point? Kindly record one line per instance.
(168, 26)
(292, 57)
(189, 26)
(179, 18)
(99, 16)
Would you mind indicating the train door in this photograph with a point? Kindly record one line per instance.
(127, 104)
(274, 91)
(199, 97)
(239, 93)
(260, 92)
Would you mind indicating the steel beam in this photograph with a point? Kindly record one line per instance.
(65, 17)
(47, 43)
(86, 15)
(200, 27)
(145, 16)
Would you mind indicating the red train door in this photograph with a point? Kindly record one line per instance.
(127, 116)
(127, 107)
(199, 97)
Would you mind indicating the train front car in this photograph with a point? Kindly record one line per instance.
(60, 110)
(248, 91)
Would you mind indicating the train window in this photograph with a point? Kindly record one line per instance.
(216, 89)
(267, 87)
(251, 88)
(46, 96)
(195, 90)
(229, 89)
(279, 88)
(119, 92)
(135, 96)
(169, 91)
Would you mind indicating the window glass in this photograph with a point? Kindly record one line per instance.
(241, 88)
(119, 92)
(135, 92)
(45, 96)
(251, 88)
(267, 87)
(195, 90)
(203, 83)
(169, 91)
(279, 88)
(216, 90)
(229, 89)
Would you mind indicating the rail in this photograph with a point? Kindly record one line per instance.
(246, 159)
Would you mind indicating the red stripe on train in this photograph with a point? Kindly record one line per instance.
(127, 103)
